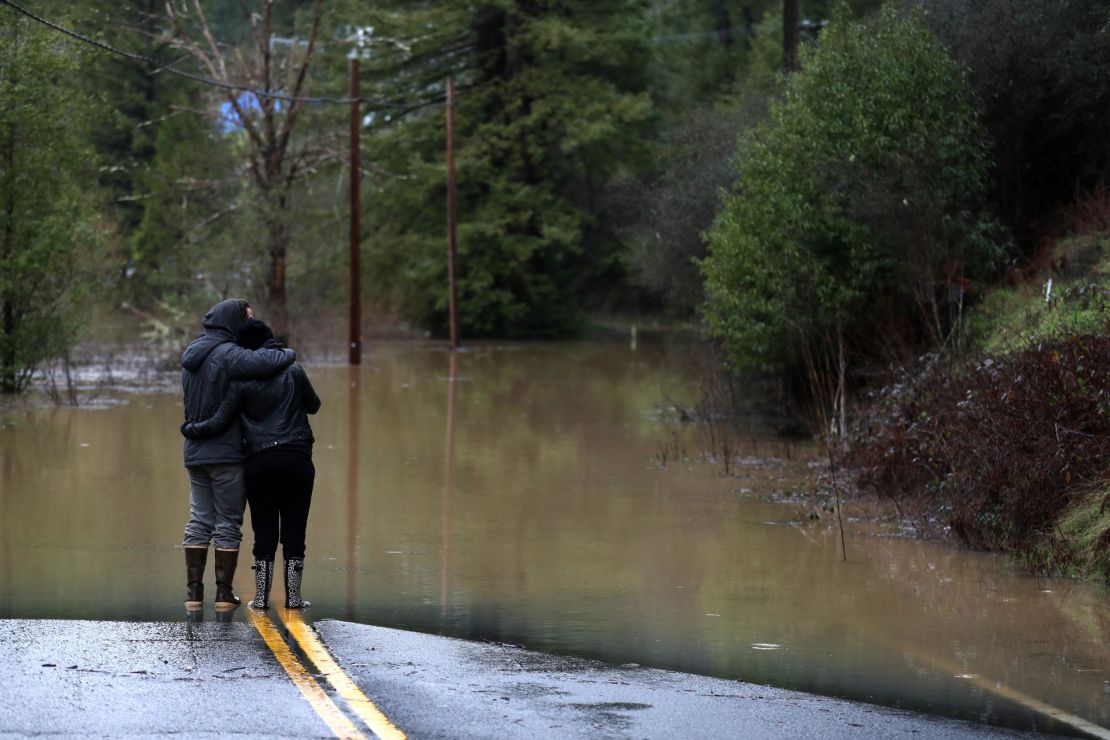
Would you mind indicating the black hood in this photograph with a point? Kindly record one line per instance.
(221, 324)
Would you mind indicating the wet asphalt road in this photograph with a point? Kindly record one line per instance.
(79, 678)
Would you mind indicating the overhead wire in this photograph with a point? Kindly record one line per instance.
(318, 100)
(158, 66)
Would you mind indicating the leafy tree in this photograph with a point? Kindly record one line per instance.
(856, 201)
(47, 226)
(713, 87)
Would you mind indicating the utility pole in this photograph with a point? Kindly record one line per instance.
(355, 323)
(789, 35)
(453, 302)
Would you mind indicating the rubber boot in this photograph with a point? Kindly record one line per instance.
(195, 559)
(225, 574)
(294, 569)
(263, 580)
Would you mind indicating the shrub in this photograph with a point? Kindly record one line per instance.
(1000, 446)
(859, 194)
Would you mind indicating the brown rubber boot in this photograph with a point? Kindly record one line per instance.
(195, 558)
(226, 561)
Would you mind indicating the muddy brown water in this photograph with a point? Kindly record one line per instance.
(525, 503)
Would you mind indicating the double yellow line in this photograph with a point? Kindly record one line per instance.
(1007, 692)
(348, 691)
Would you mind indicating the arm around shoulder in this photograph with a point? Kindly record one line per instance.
(219, 421)
(244, 364)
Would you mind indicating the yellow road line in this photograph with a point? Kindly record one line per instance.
(1012, 694)
(310, 690)
(378, 723)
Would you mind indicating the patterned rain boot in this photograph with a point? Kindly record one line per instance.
(263, 580)
(195, 559)
(294, 568)
(226, 561)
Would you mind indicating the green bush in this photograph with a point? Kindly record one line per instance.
(47, 228)
(856, 208)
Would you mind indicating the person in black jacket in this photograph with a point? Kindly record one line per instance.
(278, 470)
(216, 492)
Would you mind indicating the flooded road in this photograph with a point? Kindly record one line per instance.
(523, 503)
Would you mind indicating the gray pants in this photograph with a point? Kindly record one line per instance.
(216, 501)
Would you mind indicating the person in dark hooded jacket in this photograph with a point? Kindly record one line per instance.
(217, 494)
(278, 470)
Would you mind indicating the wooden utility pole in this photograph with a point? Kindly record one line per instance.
(355, 324)
(453, 302)
(789, 35)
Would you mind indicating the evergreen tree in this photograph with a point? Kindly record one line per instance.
(553, 101)
(47, 228)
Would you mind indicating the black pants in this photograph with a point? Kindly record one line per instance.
(279, 491)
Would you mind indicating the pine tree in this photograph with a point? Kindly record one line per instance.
(552, 102)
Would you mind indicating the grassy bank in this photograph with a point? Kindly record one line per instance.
(1006, 446)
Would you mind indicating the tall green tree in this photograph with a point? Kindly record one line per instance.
(716, 65)
(135, 95)
(552, 102)
(47, 225)
(139, 101)
(857, 210)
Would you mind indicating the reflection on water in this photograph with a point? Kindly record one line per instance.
(509, 493)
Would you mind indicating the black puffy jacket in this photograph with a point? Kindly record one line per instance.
(208, 366)
(272, 412)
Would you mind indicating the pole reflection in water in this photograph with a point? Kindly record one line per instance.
(448, 486)
(354, 399)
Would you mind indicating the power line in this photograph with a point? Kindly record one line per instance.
(158, 66)
(199, 78)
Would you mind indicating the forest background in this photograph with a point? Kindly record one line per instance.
(873, 222)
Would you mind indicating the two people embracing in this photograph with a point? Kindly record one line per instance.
(247, 439)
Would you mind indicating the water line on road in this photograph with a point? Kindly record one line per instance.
(359, 703)
(310, 690)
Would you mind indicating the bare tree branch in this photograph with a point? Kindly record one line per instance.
(268, 105)
(218, 69)
(297, 106)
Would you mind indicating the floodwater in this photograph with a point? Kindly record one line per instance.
(524, 502)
